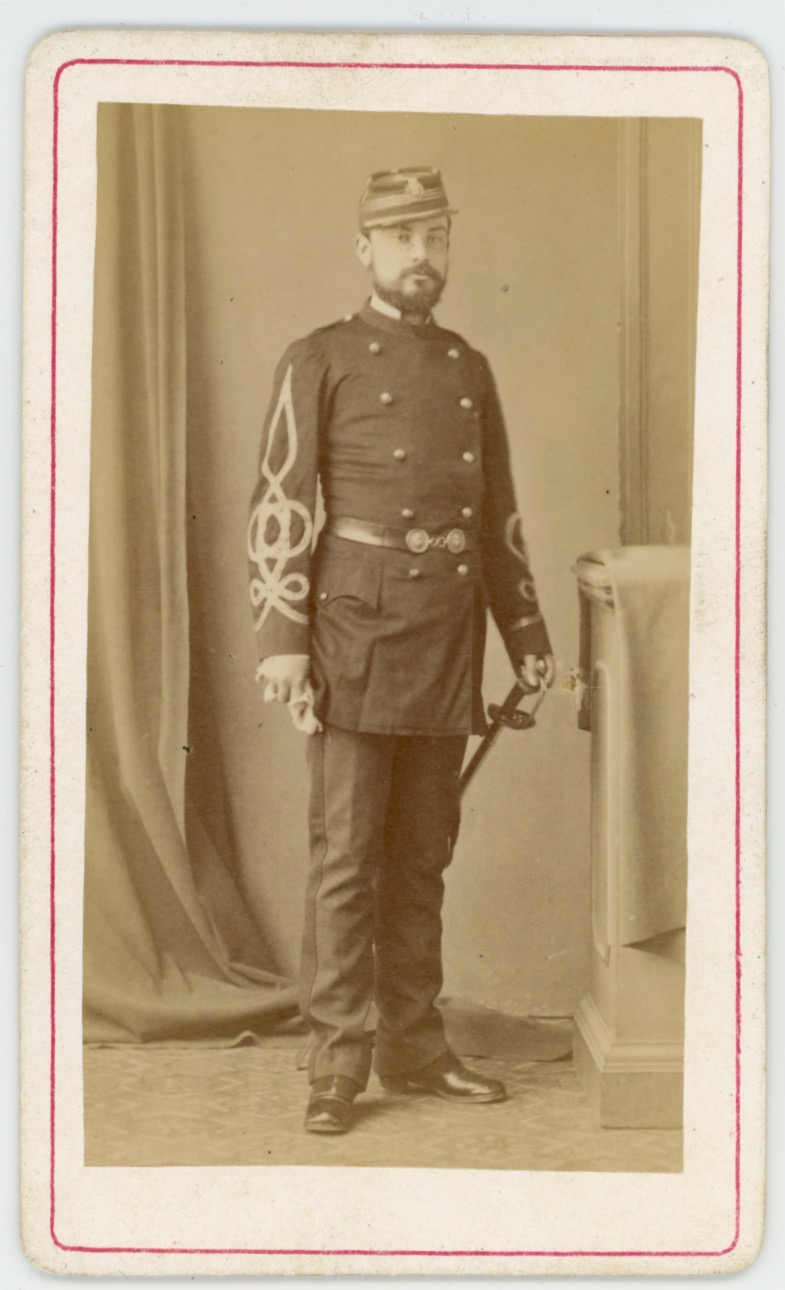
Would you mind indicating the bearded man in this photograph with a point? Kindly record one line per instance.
(375, 638)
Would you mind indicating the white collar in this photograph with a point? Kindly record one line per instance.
(382, 307)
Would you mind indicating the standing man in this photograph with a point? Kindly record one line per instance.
(375, 639)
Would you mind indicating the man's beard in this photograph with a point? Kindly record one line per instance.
(419, 301)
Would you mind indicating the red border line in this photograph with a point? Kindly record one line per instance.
(433, 67)
(52, 572)
(737, 643)
(530, 67)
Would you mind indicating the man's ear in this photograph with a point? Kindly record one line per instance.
(362, 246)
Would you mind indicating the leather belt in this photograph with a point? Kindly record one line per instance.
(415, 540)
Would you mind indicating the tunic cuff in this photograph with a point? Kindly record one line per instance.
(530, 637)
(279, 635)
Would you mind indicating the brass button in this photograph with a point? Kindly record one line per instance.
(399, 454)
(463, 569)
(414, 573)
(386, 398)
(407, 514)
(322, 595)
(469, 457)
(466, 403)
(375, 347)
(453, 353)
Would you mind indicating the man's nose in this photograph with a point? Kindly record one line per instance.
(418, 249)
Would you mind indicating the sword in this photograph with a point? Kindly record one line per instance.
(508, 714)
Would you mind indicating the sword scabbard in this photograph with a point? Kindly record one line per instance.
(506, 714)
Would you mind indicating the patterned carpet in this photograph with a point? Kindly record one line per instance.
(244, 1106)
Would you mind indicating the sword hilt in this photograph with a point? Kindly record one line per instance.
(509, 714)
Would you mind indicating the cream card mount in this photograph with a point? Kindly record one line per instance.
(332, 1219)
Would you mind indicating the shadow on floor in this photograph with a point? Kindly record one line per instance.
(244, 1106)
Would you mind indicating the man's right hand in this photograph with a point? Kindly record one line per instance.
(285, 677)
(287, 680)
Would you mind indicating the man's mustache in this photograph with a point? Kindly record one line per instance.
(424, 271)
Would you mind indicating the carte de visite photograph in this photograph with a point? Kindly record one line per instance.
(345, 411)
(397, 564)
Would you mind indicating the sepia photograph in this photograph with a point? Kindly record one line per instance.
(342, 414)
(399, 667)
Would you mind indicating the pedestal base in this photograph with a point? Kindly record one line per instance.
(630, 1085)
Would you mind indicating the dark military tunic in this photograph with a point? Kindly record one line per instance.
(402, 426)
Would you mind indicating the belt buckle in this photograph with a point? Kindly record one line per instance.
(417, 541)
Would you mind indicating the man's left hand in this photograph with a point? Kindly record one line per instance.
(536, 668)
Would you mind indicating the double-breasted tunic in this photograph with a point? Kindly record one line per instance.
(401, 425)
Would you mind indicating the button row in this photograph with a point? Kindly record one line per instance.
(462, 569)
(386, 398)
(408, 514)
(400, 455)
(375, 347)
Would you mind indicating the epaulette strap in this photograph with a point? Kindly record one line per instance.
(339, 322)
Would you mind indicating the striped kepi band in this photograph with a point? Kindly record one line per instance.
(392, 196)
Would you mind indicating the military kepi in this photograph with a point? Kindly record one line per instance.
(393, 196)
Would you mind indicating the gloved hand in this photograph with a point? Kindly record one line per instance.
(537, 667)
(287, 680)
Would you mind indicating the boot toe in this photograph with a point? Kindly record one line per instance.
(448, 1078)
(330, 1106)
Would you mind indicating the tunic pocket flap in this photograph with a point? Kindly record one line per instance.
(351, 578)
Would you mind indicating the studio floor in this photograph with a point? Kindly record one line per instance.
(244, 1106)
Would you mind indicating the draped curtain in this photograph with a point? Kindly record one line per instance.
(172, 950)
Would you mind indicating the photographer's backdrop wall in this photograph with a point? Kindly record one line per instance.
(222, 234)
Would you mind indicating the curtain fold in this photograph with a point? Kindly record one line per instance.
(169, 953)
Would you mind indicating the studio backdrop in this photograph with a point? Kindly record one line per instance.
(222, 234)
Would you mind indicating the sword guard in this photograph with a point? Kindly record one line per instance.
(517, 720)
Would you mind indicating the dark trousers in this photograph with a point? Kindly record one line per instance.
(383, 821)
